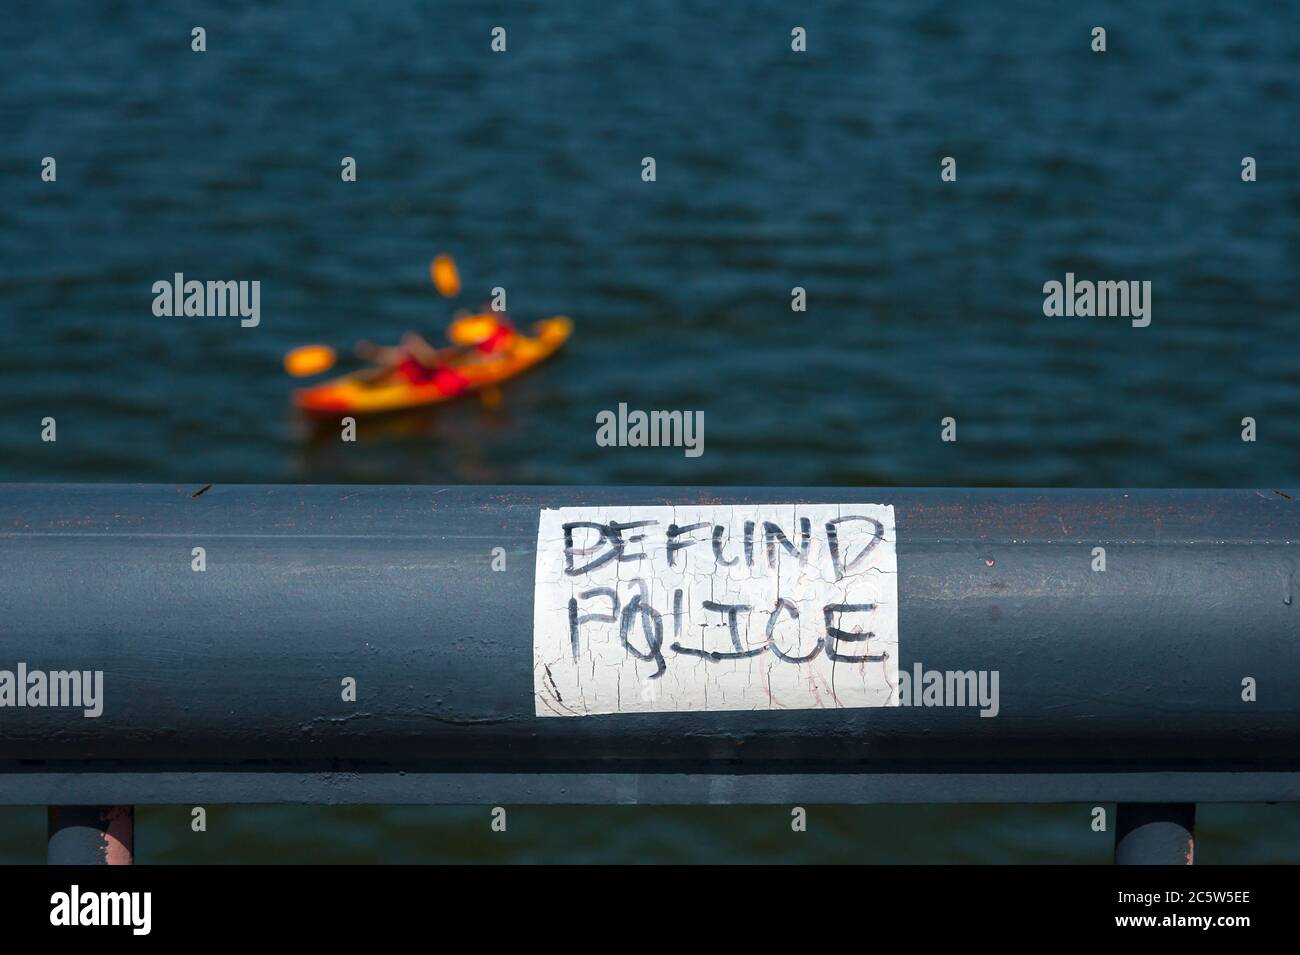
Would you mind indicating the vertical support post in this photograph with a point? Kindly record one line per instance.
(1155, 833)
(91, 835)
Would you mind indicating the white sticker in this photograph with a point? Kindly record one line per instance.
(715, 607)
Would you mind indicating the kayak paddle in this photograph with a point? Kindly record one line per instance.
(445, 276)
(309, 360)
(314, 359)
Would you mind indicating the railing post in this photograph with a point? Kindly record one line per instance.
(1154, 833)
(91, 835)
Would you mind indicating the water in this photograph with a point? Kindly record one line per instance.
(774, 170)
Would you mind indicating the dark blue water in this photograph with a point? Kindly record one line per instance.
(774, 169)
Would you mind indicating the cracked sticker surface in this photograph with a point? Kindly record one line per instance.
(715, 607)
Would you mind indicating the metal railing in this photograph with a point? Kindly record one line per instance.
(1170, 677)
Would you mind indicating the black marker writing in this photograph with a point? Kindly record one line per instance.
(732, 611)
(833, 541)
(773, 535)
(793, 611)
(718, 531)
(652, 626)
(833, 634)
(576, 620)
(611, 534)
(674, 545)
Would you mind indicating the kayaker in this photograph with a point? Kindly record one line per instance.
(415, 360)
(476, 335)
(488, 332)
(489, 351)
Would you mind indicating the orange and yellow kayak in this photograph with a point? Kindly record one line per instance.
(372, 391)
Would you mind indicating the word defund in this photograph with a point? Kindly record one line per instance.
(1127, 299)
(922, 687)
(75, 907)
(77, 688)
(209, 299)
(655, 429)
(611, 545)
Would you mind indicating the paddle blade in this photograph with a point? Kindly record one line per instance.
(309, 360)
(471, 329)
(444, 275)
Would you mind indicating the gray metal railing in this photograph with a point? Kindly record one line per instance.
(1172, 677)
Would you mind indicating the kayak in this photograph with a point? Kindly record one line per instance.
(372, 391)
